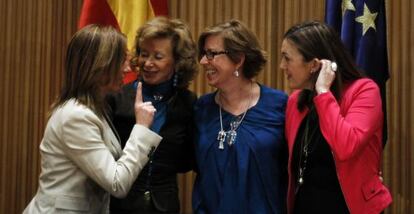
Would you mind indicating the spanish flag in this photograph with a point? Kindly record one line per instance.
(124, 15)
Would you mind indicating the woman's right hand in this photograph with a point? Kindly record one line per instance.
(144, 111)
(325, 78)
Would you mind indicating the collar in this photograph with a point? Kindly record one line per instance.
(159, 92)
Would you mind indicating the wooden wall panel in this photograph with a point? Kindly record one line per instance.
(399, 151)
(33, 43)
(268, 19)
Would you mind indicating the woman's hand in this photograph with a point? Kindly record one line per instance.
(326, 76)
(144, 111)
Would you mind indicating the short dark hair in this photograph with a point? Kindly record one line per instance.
(182, 43)
(237, 38)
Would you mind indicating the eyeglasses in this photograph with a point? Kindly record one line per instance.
(211, 54)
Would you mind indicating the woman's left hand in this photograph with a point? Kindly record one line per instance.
(326, 76)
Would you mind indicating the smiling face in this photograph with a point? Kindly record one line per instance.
(298, 71)
(219, 70)
(156, 60)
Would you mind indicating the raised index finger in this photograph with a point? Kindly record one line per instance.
(138, 97)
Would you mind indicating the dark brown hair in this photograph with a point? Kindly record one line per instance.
(318, 40)
(237, 39)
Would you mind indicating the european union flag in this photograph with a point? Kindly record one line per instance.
(362, 26)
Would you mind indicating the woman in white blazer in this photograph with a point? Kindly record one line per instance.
(81, 160)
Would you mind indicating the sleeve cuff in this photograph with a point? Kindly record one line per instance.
(144, 134)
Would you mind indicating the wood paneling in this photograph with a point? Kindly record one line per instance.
(32, 48)
(32, 44)
(399, 152)
(268, 19)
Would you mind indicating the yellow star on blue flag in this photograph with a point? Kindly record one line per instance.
(367, 19)
(362, 27)
(347, 5)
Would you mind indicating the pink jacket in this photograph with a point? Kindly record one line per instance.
(353, 130)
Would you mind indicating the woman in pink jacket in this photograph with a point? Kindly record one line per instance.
(333, 127)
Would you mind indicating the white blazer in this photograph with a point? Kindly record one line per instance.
(82, 162)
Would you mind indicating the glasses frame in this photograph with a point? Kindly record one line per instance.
(210, 55)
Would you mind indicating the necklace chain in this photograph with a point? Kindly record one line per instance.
(304, 150)
(231, 135)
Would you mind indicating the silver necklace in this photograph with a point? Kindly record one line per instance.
(231, 135)
(304, 150)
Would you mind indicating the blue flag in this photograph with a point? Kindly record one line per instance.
(362, 26)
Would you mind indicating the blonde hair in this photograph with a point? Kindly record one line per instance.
(182, 43)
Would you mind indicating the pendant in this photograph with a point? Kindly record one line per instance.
(147, 195)
(233, 135)
(221, 137)
(305, 151)
(221, 145)
(235, 124)
(158, 97)
(300, 181)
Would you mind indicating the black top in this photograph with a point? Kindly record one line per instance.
(320, 191)
(155, 190)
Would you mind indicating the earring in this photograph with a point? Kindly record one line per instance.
(236, 73)
(175, 79)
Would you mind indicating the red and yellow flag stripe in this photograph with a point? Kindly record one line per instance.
(125, 15)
